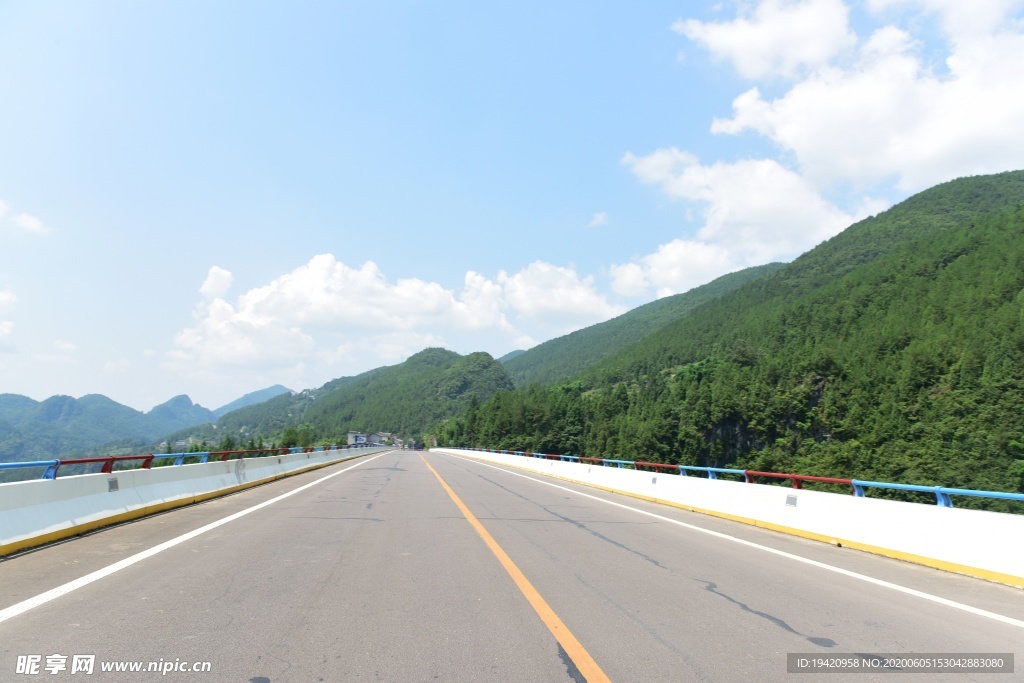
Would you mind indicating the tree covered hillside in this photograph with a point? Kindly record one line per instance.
(561, 358)
(62, 425)
(930, 213)
(894, 351)
(406, 399)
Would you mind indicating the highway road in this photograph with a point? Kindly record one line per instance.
(378, 569)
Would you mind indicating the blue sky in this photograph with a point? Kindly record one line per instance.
(209, 198)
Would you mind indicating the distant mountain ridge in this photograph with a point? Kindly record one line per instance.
(63, 425)
(252, 398)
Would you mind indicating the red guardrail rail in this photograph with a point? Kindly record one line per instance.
(221, 456)
(226, 455)
(798, 479)
(109, 460)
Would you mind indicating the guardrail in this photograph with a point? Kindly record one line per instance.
(799, 479)
(42, 510)
(52, 467)
(857, 486)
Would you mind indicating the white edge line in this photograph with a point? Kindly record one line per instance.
(814, 563)
(53, 594)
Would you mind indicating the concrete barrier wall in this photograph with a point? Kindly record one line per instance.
(973, 542)
(43, 510)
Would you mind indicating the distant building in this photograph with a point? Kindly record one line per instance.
(374, 439)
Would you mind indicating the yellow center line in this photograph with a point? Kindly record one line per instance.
(579, 655)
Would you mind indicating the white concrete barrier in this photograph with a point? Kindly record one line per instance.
(44, 510)
(973, 542)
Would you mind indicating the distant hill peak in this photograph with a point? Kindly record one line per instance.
(179, 401)
(252, 398)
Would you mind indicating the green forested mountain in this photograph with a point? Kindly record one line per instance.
(894, 351)
(174, 414)
(564, 357)
(62, 425)
(70, 427)
(923, 216)
(405, 399)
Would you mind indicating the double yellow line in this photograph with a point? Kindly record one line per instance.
(585, 664)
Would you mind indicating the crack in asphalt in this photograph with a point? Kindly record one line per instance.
(580, 525)
(712, 587)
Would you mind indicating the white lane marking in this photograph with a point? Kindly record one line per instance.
(53, 594)
(814, 563)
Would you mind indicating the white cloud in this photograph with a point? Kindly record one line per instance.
(755, 211)
(780, 38)
(524, 342)
(224, 335)
(675, 267)
(30, 223)
(629, 279)
(217, 283)
(388, 348)
(961, 21)
(557, 297)
(482, 304)
(757, 208)
(599, 218)
(326, 293)
(6, 327)
(325, 318)
(7, 298)
(877, 118)
(888, 116)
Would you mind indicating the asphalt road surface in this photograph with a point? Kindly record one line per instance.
(377, 573)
